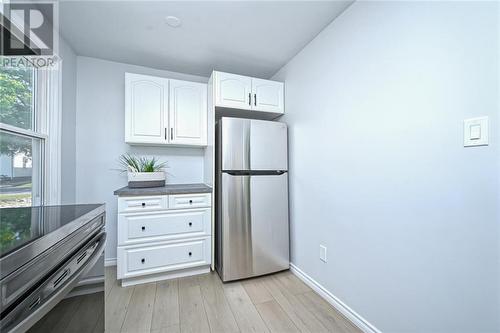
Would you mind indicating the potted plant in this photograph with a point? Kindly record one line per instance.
(143, 171)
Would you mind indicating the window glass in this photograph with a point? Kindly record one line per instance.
(20, 170)
(16, 97)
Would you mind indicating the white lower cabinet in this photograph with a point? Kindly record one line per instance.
(167, 225)
(163, 257)
(170, 241)
(142, 203)
(189, 200)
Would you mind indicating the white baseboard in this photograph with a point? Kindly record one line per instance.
(109, 262)
(165, 276)
(349, 313)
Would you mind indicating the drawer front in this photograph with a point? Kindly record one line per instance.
(142, 204)
(162, 257)
(189, 200)
(139, 228)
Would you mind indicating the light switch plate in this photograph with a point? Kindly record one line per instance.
(322, 253)
(476, 132)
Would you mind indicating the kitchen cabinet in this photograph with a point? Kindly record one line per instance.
(146, 109)
(188, 113)
(233, 91)
(163, 236)
(267, 95)
(161, 111)
(247, 93)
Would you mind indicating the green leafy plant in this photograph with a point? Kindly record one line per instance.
(141, 164)
(16, 97)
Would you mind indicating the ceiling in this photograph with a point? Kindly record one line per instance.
(247, 37)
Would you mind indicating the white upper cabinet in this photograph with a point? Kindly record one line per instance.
(233, 91)
(267, 95)
(146, 109)
(188, 113)
(247, 93)
(164, 111)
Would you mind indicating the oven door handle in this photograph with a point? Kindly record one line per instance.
(64, 288)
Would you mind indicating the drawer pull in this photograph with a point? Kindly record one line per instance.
(190, 224)
(143, 228)
(143, 260)
(143, 204)
(190, 202)
(190, 254)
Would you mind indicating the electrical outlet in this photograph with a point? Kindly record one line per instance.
(322, 253)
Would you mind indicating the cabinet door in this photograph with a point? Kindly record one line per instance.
(188, 113)
(146, 105)
(232, 91)
(267, 95)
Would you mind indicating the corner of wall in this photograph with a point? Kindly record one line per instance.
(68, 122)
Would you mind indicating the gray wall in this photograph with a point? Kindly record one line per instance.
(100, 137)
(379, 174)
(68, 122)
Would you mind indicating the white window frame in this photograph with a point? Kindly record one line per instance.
(49, 99)
(47, 128)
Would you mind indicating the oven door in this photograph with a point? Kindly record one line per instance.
(37, 303)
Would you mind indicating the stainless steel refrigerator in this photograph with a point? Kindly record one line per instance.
(252, 236)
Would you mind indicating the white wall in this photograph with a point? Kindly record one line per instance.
(100, 138)
(68, 122)
(379, 173)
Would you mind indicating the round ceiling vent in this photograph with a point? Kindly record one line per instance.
(173, 21)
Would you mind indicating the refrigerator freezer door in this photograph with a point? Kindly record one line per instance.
(254, 221)
(235, 143)
(268, 145)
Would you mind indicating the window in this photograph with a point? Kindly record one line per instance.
(17, 97)
(22, 143)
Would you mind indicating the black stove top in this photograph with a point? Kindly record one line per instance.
(20, 226)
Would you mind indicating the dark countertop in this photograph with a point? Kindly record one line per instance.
(167, 189)
(29, 231)
(21, 225)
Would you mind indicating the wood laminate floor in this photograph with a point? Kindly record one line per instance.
(199, 304)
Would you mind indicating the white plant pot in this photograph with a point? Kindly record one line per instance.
(146, 179)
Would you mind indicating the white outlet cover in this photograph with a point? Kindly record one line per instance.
(322, 253)
(476, 132)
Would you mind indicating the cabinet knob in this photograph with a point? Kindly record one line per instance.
(190, 254)
(143, 260)
(143, 228)
(190, 202)
(190, 224)
(143, 204)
